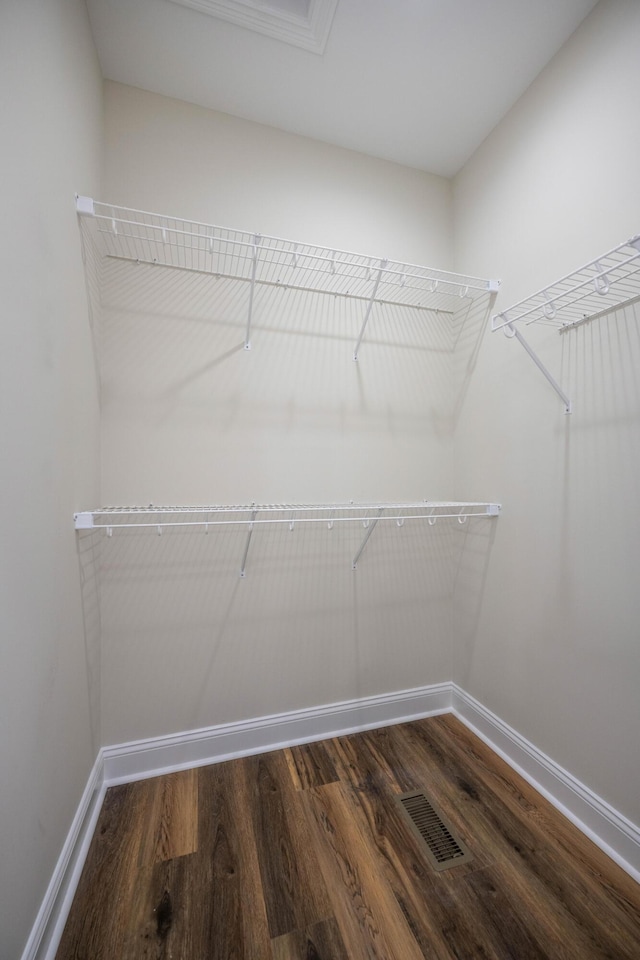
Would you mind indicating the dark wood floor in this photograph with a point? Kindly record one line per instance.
(302, 854)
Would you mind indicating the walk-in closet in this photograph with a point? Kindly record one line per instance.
(321, 420)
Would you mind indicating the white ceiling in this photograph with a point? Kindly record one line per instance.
(419, 82)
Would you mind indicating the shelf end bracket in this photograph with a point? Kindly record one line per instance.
(85, 206)
(83, 521)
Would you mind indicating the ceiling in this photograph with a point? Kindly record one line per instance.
(419, 82)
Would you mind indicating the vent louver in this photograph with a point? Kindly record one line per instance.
(442, 846)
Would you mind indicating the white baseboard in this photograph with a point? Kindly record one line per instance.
(123, 763)
(159, 755)
(617, 836)
(46, 932)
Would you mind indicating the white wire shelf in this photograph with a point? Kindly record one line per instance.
(152, 238)
(255, 515)
(600, 286)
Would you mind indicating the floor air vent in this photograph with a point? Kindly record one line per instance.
(443, 848)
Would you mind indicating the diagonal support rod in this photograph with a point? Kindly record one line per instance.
(254, 268)
(370, 530)
(540, 365)
(246, 546)
(383, 264)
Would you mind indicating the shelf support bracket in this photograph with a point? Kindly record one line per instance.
(513, 332)
(370, 530)
(254, 268)
(383, 264)
(247, 544)
(85, 206)
(84, 521)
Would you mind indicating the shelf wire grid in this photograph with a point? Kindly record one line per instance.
(591, 291)
(152, 238)
(263, 514)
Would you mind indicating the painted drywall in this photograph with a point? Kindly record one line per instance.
(172, 157)
(189, 416)
(52, 116)
(551, 642)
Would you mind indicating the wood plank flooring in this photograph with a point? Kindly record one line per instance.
(301, 854)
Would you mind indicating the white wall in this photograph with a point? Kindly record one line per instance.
(51, 121)
(191, 417)
(551, 645)
(175, 158)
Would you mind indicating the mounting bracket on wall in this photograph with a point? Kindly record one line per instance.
(611, 280)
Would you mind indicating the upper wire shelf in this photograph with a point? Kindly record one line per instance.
(612, 280)
(589, 292)
(144, 237)
(252, 515)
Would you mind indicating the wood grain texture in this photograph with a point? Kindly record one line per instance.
(369, 916)
(310, 765)
(322, 941)
(557, 870)
(97, 926)
(172, 812)
(301, 854)
(294, 892)
(160, 918)
(232, 921)
(374, 786)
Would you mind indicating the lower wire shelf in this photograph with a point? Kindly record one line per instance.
(252, 515)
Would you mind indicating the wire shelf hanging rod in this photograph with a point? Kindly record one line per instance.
(426, 283)
(260, 281)
(595, 316)
(259, 521)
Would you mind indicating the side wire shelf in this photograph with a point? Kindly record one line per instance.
(143, 237)
(252, 516)
(588, 293)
